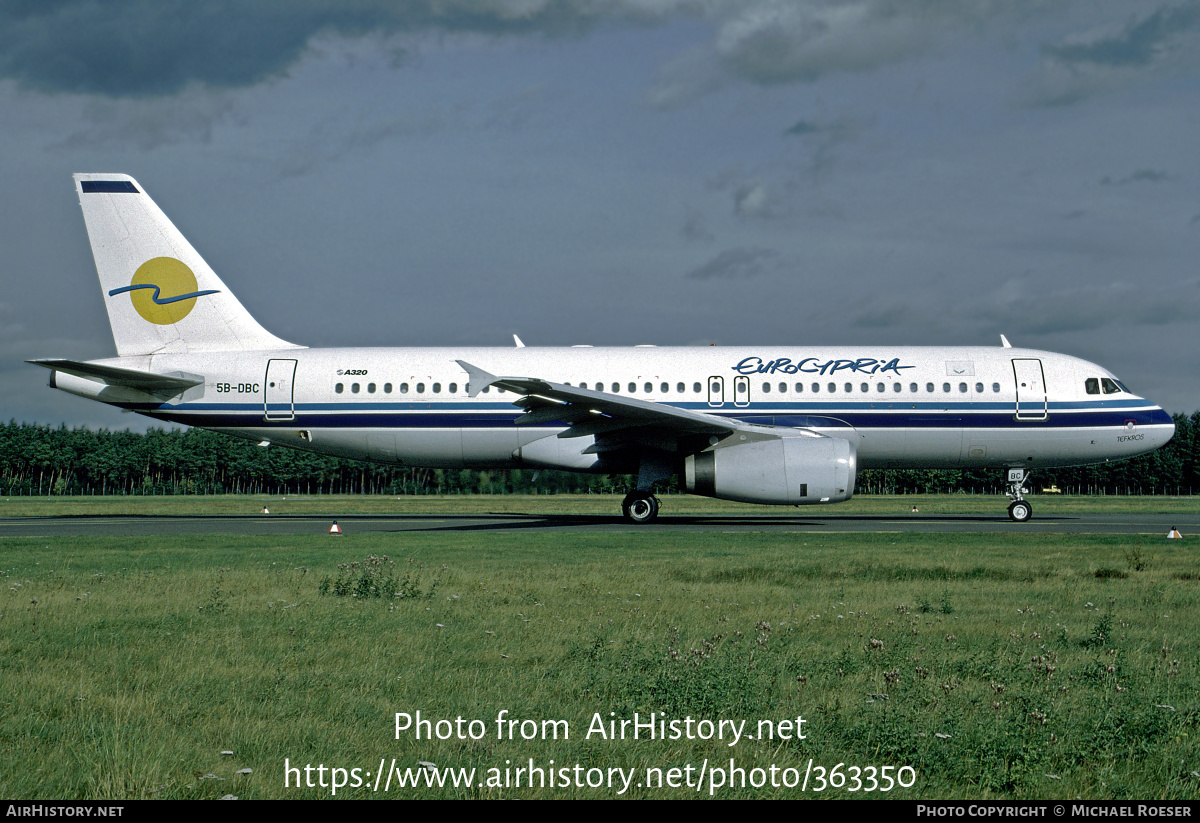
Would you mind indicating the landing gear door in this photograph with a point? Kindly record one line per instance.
(1031, 389)
(278, 390)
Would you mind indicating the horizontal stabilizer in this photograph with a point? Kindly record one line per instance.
(163, 385)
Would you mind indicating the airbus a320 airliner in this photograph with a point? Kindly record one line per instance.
(779, 424)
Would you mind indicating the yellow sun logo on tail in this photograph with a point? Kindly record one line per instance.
(163, 290)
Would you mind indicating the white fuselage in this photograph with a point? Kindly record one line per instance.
(903, 407)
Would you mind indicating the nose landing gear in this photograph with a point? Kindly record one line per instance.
(1019, 509)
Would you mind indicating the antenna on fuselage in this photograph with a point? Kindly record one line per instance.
(1004, 342)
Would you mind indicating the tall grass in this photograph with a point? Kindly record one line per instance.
(997, 666)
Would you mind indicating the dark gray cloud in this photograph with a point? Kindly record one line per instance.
(135, 48)
(160, 47)
(695, 226)
(773, 43)
(186, 118)
(737, 264)
(831, 131)
(823, 138)
(1110, 57)
(1024, 306)
(789, 42)
(802, 128)
(1139, 176)
(1136, 43)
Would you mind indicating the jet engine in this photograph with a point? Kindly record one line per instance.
(796, 470)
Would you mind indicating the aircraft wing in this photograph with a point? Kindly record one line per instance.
(613, 419)
(161, 385)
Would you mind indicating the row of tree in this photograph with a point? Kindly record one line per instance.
(37, 459)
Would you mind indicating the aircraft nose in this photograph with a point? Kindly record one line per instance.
(1164, 429)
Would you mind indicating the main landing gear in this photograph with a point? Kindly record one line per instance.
(640, 507)
(1019, 509)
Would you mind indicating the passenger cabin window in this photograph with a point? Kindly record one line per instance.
(453, 388)
(979, 388)
(387, 388)
(996, 388)
(354, 388)
(929, 387)
(649, 387)
(696, 388)
(420, 388)
(766, 388)
(680, 388)
(371, 388)
(339, 388)
(783, 388)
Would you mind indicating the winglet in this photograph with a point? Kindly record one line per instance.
(477, 378)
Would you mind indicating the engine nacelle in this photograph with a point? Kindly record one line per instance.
(790, 470)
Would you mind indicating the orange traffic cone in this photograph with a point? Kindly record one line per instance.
(334, 529)
(1174, 532)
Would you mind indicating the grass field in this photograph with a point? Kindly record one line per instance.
(994, 666)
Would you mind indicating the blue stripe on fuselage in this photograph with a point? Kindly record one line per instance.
(456, 416)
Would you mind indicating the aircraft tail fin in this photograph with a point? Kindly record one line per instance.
(160, 294)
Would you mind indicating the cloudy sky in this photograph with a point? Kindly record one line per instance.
(444, 172)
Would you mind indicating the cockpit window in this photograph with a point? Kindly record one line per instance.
(1097, 385)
